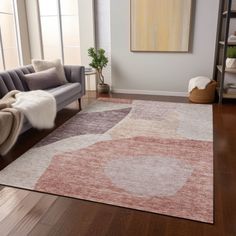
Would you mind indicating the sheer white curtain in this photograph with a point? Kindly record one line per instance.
(59, 21)
(9, 57)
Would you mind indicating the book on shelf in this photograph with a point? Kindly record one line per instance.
(232, 39)
(230, 89)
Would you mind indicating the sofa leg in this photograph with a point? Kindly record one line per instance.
(80, 107)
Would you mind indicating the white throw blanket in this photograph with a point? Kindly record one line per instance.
(38, 106)
(199, 82)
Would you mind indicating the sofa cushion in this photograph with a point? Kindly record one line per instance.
(14, 80)
(41, 65)
(65, 91)
(43, 80)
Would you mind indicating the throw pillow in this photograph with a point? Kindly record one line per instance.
(43, 80)
(41, 65)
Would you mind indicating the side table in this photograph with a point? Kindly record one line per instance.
(88, 77)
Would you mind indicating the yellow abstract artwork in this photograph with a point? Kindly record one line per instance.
(160, 25)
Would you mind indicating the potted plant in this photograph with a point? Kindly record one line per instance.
(231, 57)
(99, 62)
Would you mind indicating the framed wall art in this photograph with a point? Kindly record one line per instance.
(160, 25)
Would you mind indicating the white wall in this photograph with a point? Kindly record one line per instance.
(158, 72)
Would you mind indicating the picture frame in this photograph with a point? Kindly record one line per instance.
(160, 25)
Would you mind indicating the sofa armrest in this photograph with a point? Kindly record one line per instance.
(76, 74)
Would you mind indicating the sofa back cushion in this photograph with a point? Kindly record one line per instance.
(41, 65)
(43, 80)
(14, 80)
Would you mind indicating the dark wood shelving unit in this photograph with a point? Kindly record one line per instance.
(229, 43)
(225, 15)
(232, 13)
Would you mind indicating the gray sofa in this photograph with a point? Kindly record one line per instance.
(64, 94)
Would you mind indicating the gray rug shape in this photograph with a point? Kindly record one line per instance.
(86, 123)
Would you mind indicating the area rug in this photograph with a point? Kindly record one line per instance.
(145, 155)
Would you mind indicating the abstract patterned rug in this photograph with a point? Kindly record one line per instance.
(146, 155)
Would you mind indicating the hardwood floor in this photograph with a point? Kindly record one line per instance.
(30, 213)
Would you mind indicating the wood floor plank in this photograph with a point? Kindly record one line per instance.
(158, 225)
(101, 221)
(6, 193)
(56, 211)
(228, 194)
(139, 224)
(9, 200)
(40, 230)
(27, 223)
(80, 214)
(9, 222)
(179, 227)
(120, 222)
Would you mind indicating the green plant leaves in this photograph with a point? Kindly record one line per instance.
(99, 61)
(231, 52)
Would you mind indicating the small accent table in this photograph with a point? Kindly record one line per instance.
(88, 74)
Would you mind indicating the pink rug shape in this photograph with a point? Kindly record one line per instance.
(157, 157)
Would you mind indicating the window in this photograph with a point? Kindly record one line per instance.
(60, 30)
(9, 56)
(70, 31)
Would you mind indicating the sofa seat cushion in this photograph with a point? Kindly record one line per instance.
(65, 91)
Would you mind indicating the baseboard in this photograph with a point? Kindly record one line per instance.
(151, 92)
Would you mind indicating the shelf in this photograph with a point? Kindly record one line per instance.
(227, 95)
(224, 18)
(229, 43)
(232, 71)
(232, 13)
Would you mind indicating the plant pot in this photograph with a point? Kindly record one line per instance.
(103, 88)
(230, 63)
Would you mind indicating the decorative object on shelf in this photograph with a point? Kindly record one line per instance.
(99, 62)
(230, 88)
(232, 38)
(160, 25)
(231, 57)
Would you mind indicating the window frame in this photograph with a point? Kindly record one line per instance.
(60, 30)
(59, 19)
